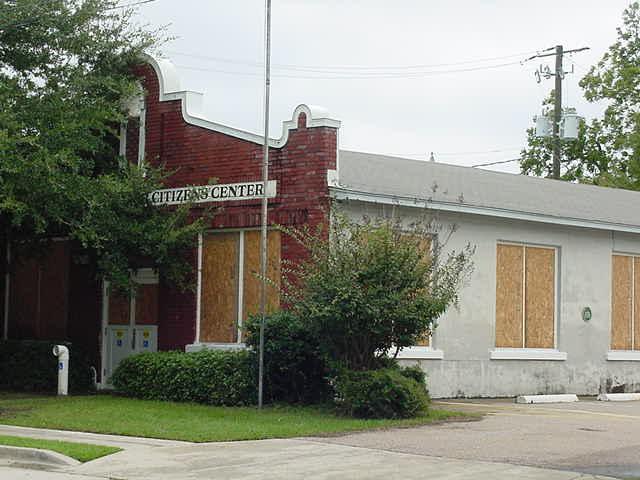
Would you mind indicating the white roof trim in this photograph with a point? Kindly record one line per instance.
(191, 106)
(341, 193)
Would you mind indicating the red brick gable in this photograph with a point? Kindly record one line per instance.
(198, 151)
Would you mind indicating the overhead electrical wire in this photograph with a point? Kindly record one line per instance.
(132, 4)
(496, 163)
(344, 68)
(362, 76)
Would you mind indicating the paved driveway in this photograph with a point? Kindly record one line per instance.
(588, 436)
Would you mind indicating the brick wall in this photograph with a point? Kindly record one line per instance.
(198, 154)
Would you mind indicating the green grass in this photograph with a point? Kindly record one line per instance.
(190, 422)
(80, 451)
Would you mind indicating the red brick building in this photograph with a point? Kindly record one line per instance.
(56, 298)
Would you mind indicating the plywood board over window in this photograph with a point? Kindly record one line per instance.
(539, 297)
(525, 296)
(625, 302)
(219, 300)
(424, 243)
(509, 294)
(252, 281)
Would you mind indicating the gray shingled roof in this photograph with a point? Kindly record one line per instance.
(382, 178)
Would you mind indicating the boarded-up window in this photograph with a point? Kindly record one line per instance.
(424, 242)
(218, 321)
(231, 283)
(525, 296)
(625, 303)
(252, 281)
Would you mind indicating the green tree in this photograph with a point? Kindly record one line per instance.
(582, 159)
(607, 149)
(65, 72)
(615, 80)
(372, 287)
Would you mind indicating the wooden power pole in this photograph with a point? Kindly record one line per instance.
(558, 73)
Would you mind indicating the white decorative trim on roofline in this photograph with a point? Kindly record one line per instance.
(191, 106)
(343, 193)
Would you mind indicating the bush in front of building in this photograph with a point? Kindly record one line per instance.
(382, 393)
(295, 370)
(214, 377)
(372, 287)
(30, 366)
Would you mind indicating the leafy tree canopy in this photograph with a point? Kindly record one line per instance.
(65, 72)
(607, 151)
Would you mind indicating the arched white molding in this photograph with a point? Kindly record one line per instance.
(191, 106)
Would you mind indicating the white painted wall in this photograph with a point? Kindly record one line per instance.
(466, 335)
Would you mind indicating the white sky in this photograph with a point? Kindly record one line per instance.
(218, 45)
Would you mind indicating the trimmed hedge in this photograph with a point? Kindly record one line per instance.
(213, 377)
(29, 366)
(295, 371)
(383, 393)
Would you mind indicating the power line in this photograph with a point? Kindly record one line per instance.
(133, 4)
(344, 68)
(362, 76)
(496, 163)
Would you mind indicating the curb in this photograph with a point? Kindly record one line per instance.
(36, 455)
(619, 397)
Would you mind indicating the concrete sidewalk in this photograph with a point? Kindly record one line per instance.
(308, 459)
(283, 459)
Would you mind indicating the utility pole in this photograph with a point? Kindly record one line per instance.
(559, 74)
(265, 180)
(557, 111)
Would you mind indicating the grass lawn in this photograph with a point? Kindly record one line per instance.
(186, 421)
(80, 451)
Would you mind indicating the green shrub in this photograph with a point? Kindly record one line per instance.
(30, 366)
(384, 393)
(295, 371)
(214, 377)
(416, 373)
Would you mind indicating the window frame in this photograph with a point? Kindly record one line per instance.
(632, 355)
(239, 343)
(524, 352)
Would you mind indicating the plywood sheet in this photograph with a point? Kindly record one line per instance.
(251, 293)
(119, 308)
(147, 304)
(509, 303)
(621, 302)
(219, 301)
(539, 297)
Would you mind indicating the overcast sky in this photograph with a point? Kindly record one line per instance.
(405, 77)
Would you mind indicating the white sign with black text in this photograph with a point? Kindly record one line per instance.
(213, 193)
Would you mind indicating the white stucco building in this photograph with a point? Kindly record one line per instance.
(553, 304)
